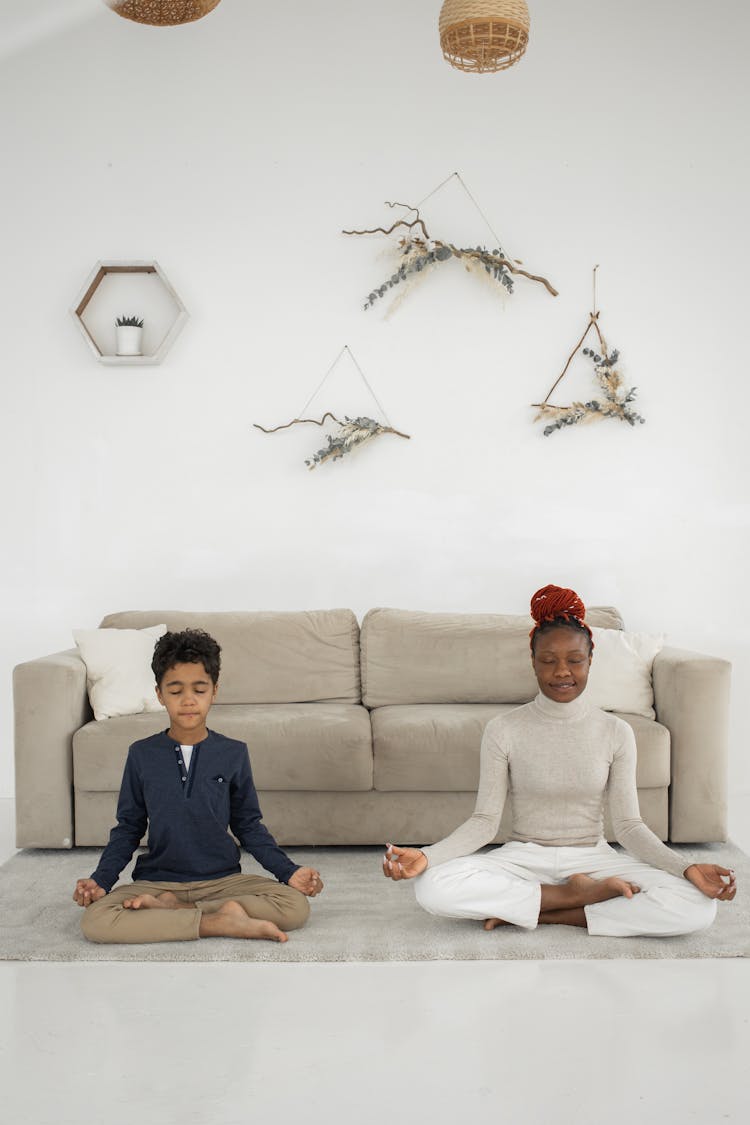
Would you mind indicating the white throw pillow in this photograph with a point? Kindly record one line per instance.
(118, 669)
(620, 676)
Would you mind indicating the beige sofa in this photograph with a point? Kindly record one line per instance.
(358, 736)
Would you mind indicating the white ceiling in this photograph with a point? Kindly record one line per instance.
(23, 22)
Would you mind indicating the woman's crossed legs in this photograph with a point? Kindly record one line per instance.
(527, 884)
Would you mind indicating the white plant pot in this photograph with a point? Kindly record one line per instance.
(129, 338)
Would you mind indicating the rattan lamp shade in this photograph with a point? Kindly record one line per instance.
(162, 13)
(483, 35)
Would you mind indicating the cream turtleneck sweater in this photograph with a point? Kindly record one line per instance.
(558, 762)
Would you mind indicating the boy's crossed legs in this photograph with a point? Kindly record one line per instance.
(237, 906)
(224, 917)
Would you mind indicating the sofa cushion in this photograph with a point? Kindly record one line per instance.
(415, 657)
(292, 746)
(436, 747)
(303, 745)
(100, 749)
(432, 747)
(302, 657)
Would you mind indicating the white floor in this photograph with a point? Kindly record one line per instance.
(517, 1043)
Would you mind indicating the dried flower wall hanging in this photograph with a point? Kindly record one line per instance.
(417, 252)
(352, 432)
(616, 399)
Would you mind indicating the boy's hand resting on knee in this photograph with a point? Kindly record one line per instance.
(712, 880)
(307, 880)
(87, 891)
(403, 863)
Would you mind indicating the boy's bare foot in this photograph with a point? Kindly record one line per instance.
(491, 923)
(165, 901)
(232, 921)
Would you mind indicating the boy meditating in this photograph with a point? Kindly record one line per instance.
(190, 785)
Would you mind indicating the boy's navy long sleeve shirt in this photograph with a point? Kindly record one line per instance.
(188, 813)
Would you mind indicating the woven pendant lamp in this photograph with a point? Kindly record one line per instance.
(481, 36)
(162, 13)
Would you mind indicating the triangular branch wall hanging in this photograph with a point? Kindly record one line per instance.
(616, 397)
(417, 251)
(352, 432)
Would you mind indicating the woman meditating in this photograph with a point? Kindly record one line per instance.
(558, 759)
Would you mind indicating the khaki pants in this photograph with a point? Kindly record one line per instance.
(106, 920)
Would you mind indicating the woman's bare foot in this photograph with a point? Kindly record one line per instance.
(563, 905)
(232, 921)
(599, 890)
(165, 901)
(492, 923)
(582, 890)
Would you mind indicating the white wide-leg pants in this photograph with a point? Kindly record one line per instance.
(506, 883)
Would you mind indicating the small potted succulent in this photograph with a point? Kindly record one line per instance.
(129, 333)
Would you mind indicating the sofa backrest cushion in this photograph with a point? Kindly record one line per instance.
(272, 657)
(414, 657)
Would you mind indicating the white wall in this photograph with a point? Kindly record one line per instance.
(233, 151)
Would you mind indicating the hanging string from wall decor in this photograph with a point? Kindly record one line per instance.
(352, 432)
(617, 398)
(418, 251)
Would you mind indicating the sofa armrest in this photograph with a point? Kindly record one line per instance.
(50, 704)
(691, 697)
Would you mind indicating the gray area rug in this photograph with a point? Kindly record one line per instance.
(359, 917)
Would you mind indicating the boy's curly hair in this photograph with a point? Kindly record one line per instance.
(191, 646)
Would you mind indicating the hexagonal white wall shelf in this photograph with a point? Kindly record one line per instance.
(139, 289)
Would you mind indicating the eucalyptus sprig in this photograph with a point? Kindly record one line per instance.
(353, 433)
(420, 253)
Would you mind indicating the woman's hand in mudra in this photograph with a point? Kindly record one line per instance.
(403, 863)
(712, 880)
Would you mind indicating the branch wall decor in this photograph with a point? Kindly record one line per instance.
(418, 252)
(352, 432)
(617, 398)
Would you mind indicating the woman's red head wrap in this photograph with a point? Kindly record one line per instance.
(554, 603)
